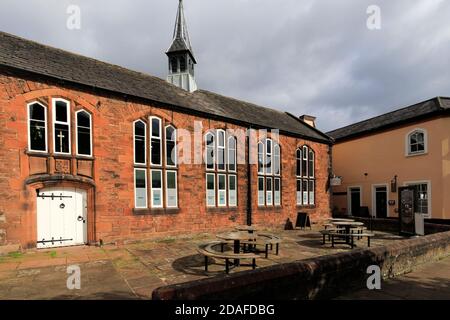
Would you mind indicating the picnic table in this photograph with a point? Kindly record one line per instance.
(347, 225)
(249, 229)
(237, 237)
(340, 220)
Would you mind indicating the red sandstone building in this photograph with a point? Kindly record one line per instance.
(90, 152)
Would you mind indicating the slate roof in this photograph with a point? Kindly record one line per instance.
(421, 110)
(25, 55)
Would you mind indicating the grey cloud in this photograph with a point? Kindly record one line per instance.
(313, 57)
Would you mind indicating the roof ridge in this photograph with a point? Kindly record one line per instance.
(384, 114)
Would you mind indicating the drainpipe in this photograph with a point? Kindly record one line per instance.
(249, 180)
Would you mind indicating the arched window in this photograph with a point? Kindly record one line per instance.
(171, 149)
(305, 174)
(156, 145)
(161, 170)
(210, 151)
(61, 126)
(140, 142)
(84, 134)
(37, 127)
(221, 167)
(269, 171)
(417, 142)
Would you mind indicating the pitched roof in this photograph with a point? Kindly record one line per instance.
(391, 119)
(36, 58)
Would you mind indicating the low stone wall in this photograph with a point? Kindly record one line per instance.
(316, 278)
(391, 225)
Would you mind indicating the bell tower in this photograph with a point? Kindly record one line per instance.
(181, 57)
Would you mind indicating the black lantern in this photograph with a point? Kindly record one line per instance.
(394, 184)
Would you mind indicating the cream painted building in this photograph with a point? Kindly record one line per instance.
(409, 146)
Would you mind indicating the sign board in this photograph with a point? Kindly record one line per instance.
(407, 207)
(336, 181)
(303, 220)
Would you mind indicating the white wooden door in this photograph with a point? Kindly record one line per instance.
(61, 217)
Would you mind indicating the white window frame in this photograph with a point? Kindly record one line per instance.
(267, 154)
(90, 132)
(305, 154)
(428, 183)
(214, 151)
(54, 122)
(232, 138)
(146, 188)
(167, 189)
(263, 191)
(160, 138)
(29, 126)
(134, 143)
(312, 200)
(311, 152)
(155, 189)
(214, 184)
(269, 203)
(277, 203)
(261, 170)
(299, 180)
(235, 190)
(408, 152)
(297, 159)
(276, 159)
(175, 146)
(224, 190)
(218, 133)
(305, 192)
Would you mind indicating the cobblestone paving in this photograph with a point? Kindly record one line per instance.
(133, 271)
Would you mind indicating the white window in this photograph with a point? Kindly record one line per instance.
(171, 148)
(84, 135)
(61, 126)
(232, 191)
(305, 162)
(277, 191)
(276, 160)
(210, 151)
(140, 142)
(222, 190)
(37, 127)
(156, 145)
(269, 189)
(423, 196)
(156, 194)
(232, 154)
(260, 158)
(220, 150)
(298, 171)
(311, 163)
(140, 188)
(268, 156)
(417, 142)
(261, 200)
(299, 192)
(210, 189)
(305, 191)
(311, 192)
(171, 189)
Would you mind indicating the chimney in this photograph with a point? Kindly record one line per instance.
(309, 120)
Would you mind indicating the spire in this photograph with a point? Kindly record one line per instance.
(181, 56)
(181, 41)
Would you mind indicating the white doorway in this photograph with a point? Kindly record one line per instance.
(61, 217)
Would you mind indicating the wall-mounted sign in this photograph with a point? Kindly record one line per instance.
(391, 202)
(336, 181)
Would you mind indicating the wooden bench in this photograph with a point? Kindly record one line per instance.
(268, 242)
(352, 237)
(208, 251)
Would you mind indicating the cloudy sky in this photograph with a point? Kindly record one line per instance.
(307, 57)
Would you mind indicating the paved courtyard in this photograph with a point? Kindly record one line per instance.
(133, 271)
